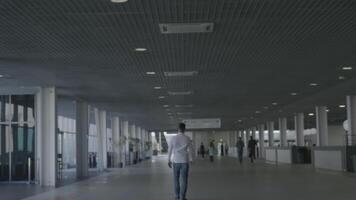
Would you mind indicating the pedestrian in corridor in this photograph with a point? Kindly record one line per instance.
(180, 155)
(252, 149)
(240, 149)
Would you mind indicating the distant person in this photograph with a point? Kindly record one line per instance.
(180, 154)
(222, 149)
(211, 151)
(226, 150)
(252, 149)
(202, 150)
(240, 145)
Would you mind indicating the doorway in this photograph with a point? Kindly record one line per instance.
(17, 138)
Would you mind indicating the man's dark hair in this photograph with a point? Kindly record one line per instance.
(181, 127)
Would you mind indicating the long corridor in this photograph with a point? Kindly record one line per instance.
(223, 180)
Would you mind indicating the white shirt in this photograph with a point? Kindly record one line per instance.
(180, 149)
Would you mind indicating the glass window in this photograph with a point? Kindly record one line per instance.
(30, 134)
(20, 139)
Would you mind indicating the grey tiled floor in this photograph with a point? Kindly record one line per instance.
(222, 180)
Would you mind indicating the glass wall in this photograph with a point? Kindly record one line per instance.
(93, 142)
(66, 139)
(17, 137)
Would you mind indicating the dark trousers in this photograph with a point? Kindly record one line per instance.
(181, 171)
(240, 155)
(252, 155)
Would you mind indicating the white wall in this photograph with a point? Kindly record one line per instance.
(336, 135)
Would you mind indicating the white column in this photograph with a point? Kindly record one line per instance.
(253, 134)
(270, 128)
(299, 128)
(261, 133)
(160, 141)
(138, 135)
(351, 119)
(283, 131)
(82, 131)
(116, 141)
(126, 132)
(103, 134)
(46, 136)
(322, 126)
(246, 135)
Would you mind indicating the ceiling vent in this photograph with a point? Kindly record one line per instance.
(182, 73)
(180, 93)
(186, 28)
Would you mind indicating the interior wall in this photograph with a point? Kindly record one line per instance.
(336, 135)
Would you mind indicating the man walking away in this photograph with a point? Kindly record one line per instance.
(211, 151)
(202, 150)
(180, 153)
(252, 149)
(240, 149)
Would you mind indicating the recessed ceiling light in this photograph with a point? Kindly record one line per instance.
(313, 84)
(327, 110)
(119, 1)
(265, 107)
(157, 87)
(150, 73)
(165, 106)
(293, 93)
(161, 97)
(140, 49)
(342, 78)
(342, 106)
(311, 114)
(258, 112)
(347, 68)
(274, 103)
(239, 120)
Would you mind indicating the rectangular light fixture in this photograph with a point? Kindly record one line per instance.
(184, 113)
(180, 73)
(174, 28)
(119, 1)
(180, 93)
(184, 106)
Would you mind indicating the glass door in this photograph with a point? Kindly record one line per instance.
(17, 138)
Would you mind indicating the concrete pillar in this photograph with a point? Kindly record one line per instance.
(299, 128)
(322, 126)
(100, 121)
(160, 141)
(116, 141)
(82, 132)
(103, 134)
(351, 119)
(253, 132)
(270, 128)
(46, 136)
(283, 131)
(246, 135)
(261, 133)
(126, 132)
